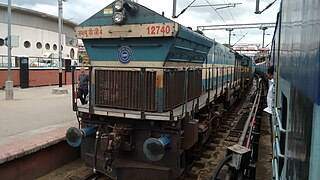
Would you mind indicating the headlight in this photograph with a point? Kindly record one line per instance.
(118, 17)
(118, 6)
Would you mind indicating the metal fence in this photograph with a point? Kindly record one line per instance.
(4, 61)
(35, 62)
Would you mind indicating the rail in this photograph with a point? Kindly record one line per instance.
(255, 110)
(251, 118)
(253, 113)
(248, 139)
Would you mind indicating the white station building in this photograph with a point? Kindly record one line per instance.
(37, 33)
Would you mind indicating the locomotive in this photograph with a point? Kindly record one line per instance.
(157, 92)
(296, 114)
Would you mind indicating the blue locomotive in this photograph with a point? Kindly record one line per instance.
(295, 55)
(157, 92)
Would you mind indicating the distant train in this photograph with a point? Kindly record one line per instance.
(262, 68)
(157, 92)
(296, 58)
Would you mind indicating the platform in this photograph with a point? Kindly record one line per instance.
(264, 165)
(35, 119)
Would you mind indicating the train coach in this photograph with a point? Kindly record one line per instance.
(157, 92)
(296, 117)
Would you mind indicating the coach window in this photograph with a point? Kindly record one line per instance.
(47, 46)
(27, 44)
(54, 47)
(39, 45)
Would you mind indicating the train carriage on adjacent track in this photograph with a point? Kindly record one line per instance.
(296, 58)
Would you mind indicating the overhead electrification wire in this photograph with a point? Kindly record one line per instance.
(232, 18)
(239, 39)
(236, 23)
(184, 9)
(216, 12)
(230, 12)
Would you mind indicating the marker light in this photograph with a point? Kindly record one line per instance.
(118, 18)
(118, 6)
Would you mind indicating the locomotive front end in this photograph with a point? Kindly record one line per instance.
(145, 69)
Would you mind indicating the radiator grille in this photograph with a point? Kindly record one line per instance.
(174, 87)
(126, 89)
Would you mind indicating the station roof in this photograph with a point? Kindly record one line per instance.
(36, 13)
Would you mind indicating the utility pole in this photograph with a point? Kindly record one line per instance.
(60, 53)
(229, 29)
(60, 90)
(9, 83)
(257, 7)
(174, 9)
(263, 34)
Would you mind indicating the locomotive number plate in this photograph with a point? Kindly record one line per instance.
(127, 31)
(159, 29)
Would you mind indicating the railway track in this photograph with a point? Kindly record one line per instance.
(95, 176)
(230, 132)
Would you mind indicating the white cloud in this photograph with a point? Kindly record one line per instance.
(79, 10)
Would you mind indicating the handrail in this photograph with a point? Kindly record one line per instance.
(148, 67)
(211, 72)
(276, 145)
(135, 67)
(278, 152)
(275, 167)
(279, 124)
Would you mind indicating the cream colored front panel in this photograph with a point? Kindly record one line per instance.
(127, 31)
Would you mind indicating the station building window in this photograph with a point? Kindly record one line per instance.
(39, 45)
(54, 47)
(1, 42)
(47, 46)
(72, 53)
(27, 44)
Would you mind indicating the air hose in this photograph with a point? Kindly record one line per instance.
(225, 160)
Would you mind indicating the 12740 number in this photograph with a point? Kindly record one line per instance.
(159, 30)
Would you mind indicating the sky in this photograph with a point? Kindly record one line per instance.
(80, 10)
